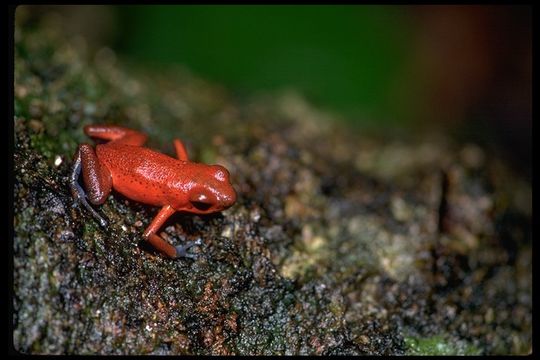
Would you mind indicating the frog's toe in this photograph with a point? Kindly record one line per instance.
(103, 222)
(181, 250)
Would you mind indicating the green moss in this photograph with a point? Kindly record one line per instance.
(21, 107)
(438, 345)
(43, 145)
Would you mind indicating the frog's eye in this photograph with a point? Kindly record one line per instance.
(201, 201)
(221, 174)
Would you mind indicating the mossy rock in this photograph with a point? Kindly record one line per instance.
(339, 243)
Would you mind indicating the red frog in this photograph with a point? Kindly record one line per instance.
(150, 177)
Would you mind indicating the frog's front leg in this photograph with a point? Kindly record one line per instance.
(96, 178)
(164, 247)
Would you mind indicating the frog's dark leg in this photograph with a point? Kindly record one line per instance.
(181, 152)
(173, 252)
(96, 180)
(118, 134)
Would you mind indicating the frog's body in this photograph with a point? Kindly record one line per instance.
(149, 177)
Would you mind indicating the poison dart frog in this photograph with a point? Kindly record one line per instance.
(149, 177)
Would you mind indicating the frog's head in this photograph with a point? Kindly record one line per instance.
(212, 192)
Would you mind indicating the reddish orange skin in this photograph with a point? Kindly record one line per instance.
(149, 177)
(156, 179)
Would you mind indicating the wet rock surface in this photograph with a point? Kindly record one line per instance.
(339, 243)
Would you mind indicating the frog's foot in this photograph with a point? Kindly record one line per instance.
(80, 195)
(181, 250)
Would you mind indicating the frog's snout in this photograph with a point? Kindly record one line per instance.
(227, 194)
(228, 198)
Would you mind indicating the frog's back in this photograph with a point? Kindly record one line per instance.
(140, 173)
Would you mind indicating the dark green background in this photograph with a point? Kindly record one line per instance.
(344, 58)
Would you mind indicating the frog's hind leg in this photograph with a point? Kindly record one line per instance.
(96, 177)
(118, 134)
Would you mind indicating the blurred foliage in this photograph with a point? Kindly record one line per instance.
(465, 70)
(343, 57)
